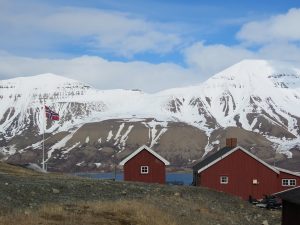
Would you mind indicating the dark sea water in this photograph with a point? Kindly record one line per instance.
(175, 178)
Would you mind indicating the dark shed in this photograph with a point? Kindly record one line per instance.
(290, 206)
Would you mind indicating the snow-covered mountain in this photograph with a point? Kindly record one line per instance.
(257, 101)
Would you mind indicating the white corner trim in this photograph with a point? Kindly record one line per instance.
(232, 151)
(144, 147)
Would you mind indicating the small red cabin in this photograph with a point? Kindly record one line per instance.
(235, 170)
(145, 165)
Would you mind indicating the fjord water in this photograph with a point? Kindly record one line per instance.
(185, 178)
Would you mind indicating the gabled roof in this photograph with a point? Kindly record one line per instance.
(208, 160)
(221, 154)
(144, 147)
(290, 195)
(288, 171)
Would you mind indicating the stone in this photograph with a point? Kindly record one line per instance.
(265, 222)
(55, 191)
(177, 194)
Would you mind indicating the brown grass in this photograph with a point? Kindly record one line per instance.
(15, 170)
(18, 171)
(108, 213)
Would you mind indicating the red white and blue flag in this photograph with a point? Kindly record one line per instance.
(51, 114)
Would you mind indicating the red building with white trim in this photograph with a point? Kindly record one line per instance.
(145, 165)
(235, 170)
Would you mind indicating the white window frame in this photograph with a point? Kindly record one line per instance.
(144, 169)
(288, 182)
(224, 179)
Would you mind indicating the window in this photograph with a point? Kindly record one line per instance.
(224, 180)
(144, 169)
(255, 181)
(288, 182)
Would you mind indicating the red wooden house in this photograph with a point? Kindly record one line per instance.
(235, 170)
(145, 165)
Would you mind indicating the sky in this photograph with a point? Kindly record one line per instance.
(149, 45)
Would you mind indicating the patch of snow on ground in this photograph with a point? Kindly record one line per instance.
(208, 147)
(154, 137)
(87, 140)
(80, 163)
(62, 143)
(125, 136)
(216, 142)
(110, 135)
(119, 131)
(253, 123)
(69, 149)
(283, 145)
(98, 164)
(10, 150)
(37, 145)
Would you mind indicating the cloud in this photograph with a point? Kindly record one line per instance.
(101, 73)
(96, 30)
(210, 59)
(120, 33)
(279, 28)
(283, 52)
(39, 28)
(277, 37)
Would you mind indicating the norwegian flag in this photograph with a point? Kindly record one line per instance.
(51, 114)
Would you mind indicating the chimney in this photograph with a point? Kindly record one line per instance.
(231, 142)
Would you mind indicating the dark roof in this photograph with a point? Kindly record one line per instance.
(292, 195)
(211, 158)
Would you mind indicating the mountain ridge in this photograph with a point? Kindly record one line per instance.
(252, 95)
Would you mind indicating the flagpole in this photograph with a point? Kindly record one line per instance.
(48, 114)
(43, 163)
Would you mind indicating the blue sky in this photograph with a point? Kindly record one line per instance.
(151, 45)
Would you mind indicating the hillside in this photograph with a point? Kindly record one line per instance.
(22, 193)
(254, 100)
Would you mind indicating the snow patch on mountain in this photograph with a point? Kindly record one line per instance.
(156, 130)
(60, 144)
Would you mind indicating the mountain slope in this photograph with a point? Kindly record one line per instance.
(256, 100)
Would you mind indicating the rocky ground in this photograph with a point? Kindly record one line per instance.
(24, 191)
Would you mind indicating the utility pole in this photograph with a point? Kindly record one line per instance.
(43, 118)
